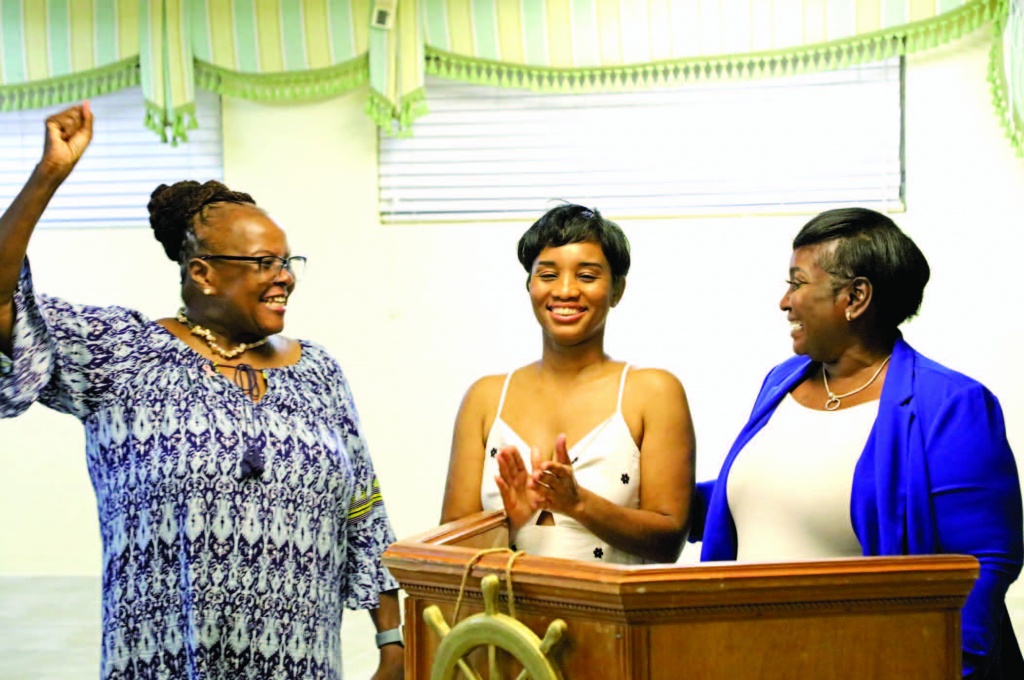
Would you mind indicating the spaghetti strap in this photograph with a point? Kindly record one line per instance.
(504, 389)
(622, 388)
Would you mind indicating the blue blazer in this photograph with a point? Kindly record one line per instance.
(936, 476)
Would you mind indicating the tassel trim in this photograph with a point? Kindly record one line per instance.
(1007, 61)
(71, 88)
(284, 86)
(172, 125)
(869, 47)
(396, 120)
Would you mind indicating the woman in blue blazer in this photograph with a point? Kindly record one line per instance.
(859, 445)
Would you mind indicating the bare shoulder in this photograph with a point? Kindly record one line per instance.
(653, 383)
(484, 393)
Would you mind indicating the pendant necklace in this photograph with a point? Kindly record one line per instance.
(835, 400)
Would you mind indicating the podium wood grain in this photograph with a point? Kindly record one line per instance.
(878, 618)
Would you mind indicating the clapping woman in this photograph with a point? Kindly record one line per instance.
(590, 458)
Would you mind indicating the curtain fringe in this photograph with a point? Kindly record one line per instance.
(284, 86)
(396, 121)
(71, 88)
(1010, 112)
(172, 125)
(860, 49)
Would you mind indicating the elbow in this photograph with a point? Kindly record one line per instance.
(680, 542)
(670, 546)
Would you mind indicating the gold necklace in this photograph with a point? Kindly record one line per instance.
(211, 340)
(834, 400)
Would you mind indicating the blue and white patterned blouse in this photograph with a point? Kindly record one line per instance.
(209, 572)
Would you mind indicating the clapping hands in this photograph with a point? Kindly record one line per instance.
(513, 483)
(554, 482)
(551, 485)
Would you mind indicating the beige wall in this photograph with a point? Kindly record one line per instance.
(415, 313)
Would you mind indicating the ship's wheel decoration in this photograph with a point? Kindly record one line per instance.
(496, 631)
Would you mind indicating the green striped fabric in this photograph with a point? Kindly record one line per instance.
(56, 51)
(577, 45)
(1006, 72)
(168, 83)
(396, 71)
(60, 50)
(257, 49)
(280, 49)
(575, 35)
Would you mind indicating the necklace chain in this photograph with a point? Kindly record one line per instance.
(211, 339)
(835, 400)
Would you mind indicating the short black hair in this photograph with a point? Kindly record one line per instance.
(571, 223)
(869, 244)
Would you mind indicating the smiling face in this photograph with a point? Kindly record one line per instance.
(247, 301)
(571, 290)
(817, 313)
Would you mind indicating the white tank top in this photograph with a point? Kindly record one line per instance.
(789, 489)
(607, 463)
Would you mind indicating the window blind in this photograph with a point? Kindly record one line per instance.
(798, 144)
(111, 184)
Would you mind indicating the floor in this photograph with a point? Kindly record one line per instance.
(49, 629)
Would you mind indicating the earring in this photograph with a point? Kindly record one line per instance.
(209, 291)
(848, 315)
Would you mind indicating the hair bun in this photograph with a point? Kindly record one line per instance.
(173, 207)
(170, 215)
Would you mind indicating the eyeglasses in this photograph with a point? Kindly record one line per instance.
(270, 266)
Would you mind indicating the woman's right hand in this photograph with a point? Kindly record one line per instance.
(68, 134)
(512, 483)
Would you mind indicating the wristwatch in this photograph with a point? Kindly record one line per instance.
(390, 637)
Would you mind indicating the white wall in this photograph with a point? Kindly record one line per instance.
(415, 313)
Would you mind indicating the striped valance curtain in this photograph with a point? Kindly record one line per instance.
(580, 45)
(280, 49)
(546, 42)
(54, 51)
(269, 50)
(1006, 72)
(61, 50)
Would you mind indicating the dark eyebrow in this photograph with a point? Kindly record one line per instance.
(551, 263)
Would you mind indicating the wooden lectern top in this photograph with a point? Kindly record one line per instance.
(877, 617)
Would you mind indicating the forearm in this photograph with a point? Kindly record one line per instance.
(387, 614)
(652, 535)
(16, 227)
(17, 224)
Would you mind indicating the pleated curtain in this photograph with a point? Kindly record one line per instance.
(279, 50)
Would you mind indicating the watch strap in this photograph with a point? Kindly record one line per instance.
(390, 637)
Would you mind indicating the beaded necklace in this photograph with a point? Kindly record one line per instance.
(211, 340)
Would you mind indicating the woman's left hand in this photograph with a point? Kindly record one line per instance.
(392, 663)
(555, 483)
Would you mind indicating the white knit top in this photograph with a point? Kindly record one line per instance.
(789, 489)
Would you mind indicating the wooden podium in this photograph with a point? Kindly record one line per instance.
(877, 618)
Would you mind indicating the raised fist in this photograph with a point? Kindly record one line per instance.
(68, 133)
